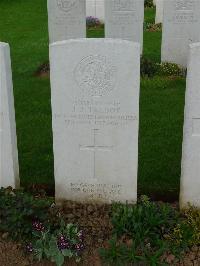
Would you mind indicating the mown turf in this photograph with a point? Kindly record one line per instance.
(23, 24)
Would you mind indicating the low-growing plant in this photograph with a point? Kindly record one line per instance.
(143, 225)
(92, 22)
(171, 69)
(148, 3)
(147, 231)
(148, 68)
(152, 27)
(146, 220)
(17, 211)
(55, 245)
(192, 216)
(187, 232)
(38, 222)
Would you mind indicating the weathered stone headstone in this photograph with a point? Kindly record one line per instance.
(159, 11)
(66, 19)
(181, 27)
(124, 20)
(190, 180)
(9, 170)
(95, 110)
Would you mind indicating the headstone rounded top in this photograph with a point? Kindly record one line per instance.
(96, 40)
(95, 119)
(3, 44)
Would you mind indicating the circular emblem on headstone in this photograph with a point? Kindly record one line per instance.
(95, 75)
(66, 5)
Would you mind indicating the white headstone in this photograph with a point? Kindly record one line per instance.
(159, 11)
(95, 110)
(181, 27)
(9, 170)
(95, 8)
(124, 20)
(66, 19)
(190, 180)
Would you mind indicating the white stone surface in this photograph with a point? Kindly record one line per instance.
(66, 19)
(95, 8)
(181, 27)
(95, 110)
(124, 20)
(190, 179)
(159, 11)
(9, 170)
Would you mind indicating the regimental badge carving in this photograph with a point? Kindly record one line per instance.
(184, 5)
(95, 75)
(123, 5)
(66, 5)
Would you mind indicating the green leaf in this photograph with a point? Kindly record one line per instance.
(53, 249)
(67, 253)
(39, 244)
(59, 259)
(47, 253)
(52, 243)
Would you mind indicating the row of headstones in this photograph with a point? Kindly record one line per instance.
(95, 117)
(95, 8)
(124, 20)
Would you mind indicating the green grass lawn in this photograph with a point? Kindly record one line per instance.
(23, 24)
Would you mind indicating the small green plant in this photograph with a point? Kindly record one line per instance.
(152, 27)
(17, 211)
(148, 68)
(170, 69)
(144, 220)
(187, 232)
(192, 216)
(55, 245)
(148, 3)
(38, 222)
(139, 234)
(146, 232)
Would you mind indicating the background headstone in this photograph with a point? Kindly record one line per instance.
(124, 20)
(190, 180)
(95, 8)
(66, 19)
(159, 11)
(181, 27)
(95, 112)
(9, 169)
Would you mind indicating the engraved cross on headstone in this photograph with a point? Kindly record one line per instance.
(95, 148)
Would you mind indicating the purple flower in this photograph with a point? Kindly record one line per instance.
(29, 247)
(79, 247)
(38, 226)
(63, 243)
(92, 21)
